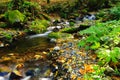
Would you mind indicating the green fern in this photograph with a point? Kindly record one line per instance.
(101, 34)
(106, 55)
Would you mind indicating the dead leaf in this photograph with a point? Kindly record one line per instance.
(73, 76)
(88, 69)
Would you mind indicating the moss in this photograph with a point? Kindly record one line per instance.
(69, 30)
(54, 35)
(38, 26)
(58, 35)
(14, 16)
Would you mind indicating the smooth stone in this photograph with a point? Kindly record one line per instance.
(53, 40)
(45, 79)
(56, 48)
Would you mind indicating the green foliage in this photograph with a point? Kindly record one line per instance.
(99, 71)
(104, 39)
(106, 55)
(59, 35)
(54, 35)
(101, 35)
(14, 16)
(44, 22)
(115, 12)
(8, 36)
(110, 14)
(3, 25)
(72, 23)
(29, 9)
(38, 26)
(62, 8)
(69, 30)
(97, 74)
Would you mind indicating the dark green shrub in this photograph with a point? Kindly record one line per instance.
(30, 9)
(115, 13)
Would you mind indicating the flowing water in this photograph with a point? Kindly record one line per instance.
(30, 44)
(33, 43)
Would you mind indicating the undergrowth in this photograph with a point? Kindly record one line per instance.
(104, 40)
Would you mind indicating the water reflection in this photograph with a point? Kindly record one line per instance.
(26, 44)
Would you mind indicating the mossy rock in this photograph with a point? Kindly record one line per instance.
(58, 35)
(69, 30)
(54, 35)
(14, 16)
(38, 26)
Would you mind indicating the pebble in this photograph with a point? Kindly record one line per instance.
(56, 48)
(53, 40)
(44, 78)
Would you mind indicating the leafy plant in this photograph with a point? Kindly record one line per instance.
(106, 55)
(115, 12)
(104, 39)
(14, 16)
(100, 35)
(38, 26)
(97, 74)
(3, 25)
(29, 9)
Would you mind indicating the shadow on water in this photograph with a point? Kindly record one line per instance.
(29, 45)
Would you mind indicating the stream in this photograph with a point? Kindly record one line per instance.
(32, 52)
(29, 48)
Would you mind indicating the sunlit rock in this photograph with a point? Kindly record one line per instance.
(56, 48)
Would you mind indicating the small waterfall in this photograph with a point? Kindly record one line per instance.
(39, 35)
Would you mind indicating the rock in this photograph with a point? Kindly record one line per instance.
(56, 48)
(14, 76)
(58, 27)
(27, 78)
(37, 71)
(1, 44)
(89, 17)
(53, 40)
(44, 79)
(51, 28)
(30, 73)
(70, 44)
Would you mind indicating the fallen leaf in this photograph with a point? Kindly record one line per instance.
(73, 76)
(88, 69)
